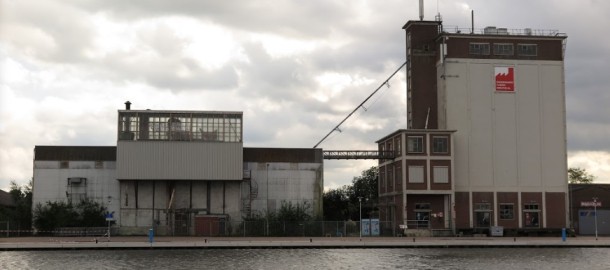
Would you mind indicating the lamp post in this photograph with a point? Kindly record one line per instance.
(360, 215)
(595, 213)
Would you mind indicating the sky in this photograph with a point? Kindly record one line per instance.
(295, 69)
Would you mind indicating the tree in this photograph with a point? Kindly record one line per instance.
(336, 203)
(20, 215)
(579, 176)
(343, 203)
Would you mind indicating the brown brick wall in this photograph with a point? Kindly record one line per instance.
(555, 209)
(462, 210)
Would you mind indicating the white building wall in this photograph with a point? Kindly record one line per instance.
(505, 141)
(281, 182)
(51, 182)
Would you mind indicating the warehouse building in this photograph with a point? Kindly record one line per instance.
(179, 172)
(485, 144)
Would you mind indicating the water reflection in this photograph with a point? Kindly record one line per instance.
(411, 258)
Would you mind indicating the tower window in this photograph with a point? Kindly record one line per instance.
(415, 144)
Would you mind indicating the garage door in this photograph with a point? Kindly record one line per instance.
(586, 222)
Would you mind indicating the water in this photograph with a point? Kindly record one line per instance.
(408, 258)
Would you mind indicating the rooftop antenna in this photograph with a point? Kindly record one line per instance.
(421, 10)
(438, 16)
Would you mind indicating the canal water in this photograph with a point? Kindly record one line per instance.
(407, 258)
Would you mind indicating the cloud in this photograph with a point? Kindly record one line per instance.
(295, 68)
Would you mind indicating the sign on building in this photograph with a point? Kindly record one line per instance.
(505, 79)
(591, 204)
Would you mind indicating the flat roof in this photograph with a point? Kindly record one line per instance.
(75, 153)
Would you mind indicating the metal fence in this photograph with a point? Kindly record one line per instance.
(305, 228)
(258, 228)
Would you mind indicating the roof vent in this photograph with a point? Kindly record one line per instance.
(127, 105)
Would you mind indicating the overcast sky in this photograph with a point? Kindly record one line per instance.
(295, 68)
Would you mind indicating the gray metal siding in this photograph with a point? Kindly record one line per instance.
(153, 160)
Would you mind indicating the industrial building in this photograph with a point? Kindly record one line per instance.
(485, 144)
(589, 211)
(179, 172)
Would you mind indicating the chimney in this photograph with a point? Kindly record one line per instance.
(127, 105)
(421, 10)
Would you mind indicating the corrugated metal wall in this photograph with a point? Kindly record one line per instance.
(167, 160)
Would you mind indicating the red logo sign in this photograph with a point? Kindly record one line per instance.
(505, 79)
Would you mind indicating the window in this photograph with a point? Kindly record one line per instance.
(196, 126)
(503, 49)
(441, 174)
(398, 147)
(390, 178)
(390, 146)
(422, 215)
(415, 144)
(507, 211)
(531, 215)
(479, 48)
(440, 145)
(398, 177)
(482, 214)
(99, 164)
(527, 49)
(416, 174)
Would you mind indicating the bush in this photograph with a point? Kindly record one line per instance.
(60, 214)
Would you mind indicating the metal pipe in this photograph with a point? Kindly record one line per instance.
(358, 107)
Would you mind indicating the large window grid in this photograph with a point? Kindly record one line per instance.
(180, 127)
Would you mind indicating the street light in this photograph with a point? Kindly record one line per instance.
(595, 213)
(360, 203)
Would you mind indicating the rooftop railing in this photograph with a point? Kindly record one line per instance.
(491, 30)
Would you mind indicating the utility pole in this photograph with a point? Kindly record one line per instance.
(360, 215)
(595, 213)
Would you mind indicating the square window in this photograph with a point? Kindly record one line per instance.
(440, 145)
(416, 174)
(507, 211)
(415, 144)
(441, 174)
